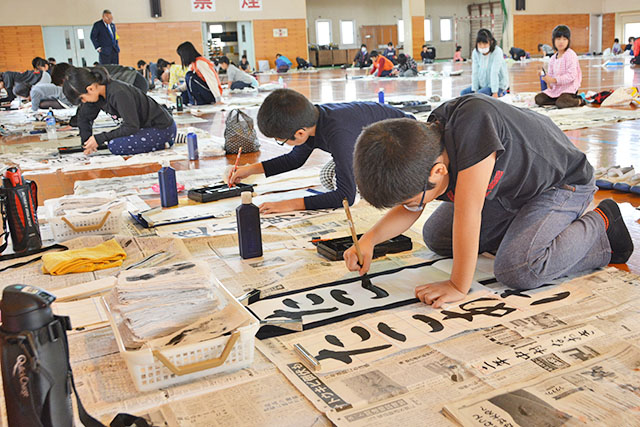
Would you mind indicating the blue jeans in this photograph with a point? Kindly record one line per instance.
(239, 85)
(484, 91)
(143, 141)
(385, 73)
(546, 239)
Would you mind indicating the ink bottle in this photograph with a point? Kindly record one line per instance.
(249, 234)
(168, 185)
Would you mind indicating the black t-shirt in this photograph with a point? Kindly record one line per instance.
(532, 153)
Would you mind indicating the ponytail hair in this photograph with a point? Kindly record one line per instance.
(78, 79)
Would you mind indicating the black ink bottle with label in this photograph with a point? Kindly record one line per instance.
(249, 234)
(168, 185)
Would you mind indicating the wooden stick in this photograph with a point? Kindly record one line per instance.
(354, 235)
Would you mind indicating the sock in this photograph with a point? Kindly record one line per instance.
(617, 231)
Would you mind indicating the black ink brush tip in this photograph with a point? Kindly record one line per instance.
(366, 282)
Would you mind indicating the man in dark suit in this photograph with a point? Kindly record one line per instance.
(105, 40)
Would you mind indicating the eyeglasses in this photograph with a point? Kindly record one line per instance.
(420, 206)
(291, 137)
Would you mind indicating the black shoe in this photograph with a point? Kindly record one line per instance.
(617, 231)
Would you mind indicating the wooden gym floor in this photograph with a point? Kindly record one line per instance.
(607, 145)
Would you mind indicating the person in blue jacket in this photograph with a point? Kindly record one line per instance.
(105, 39)
(489, 74)
(282, 63)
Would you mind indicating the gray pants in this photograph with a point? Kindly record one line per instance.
(546, 239)
(409, 73)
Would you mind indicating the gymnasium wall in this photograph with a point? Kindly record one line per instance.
(529, 30)
(20, 44)
(266, 45)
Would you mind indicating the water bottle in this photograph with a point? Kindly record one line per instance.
(381, 95)
(249, 234)
(192, 146)
(51, 126)
(179, 106)
(168, 185)
(280, 81)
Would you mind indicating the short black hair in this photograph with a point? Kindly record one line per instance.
(458, 48)
(51, 59)
(22, 89)
(424, 45)
(58, 73)
(373, 54)
(278, 55)
(78, 79)
(244, 57)
(39, 62)
(188, 53)
(363, 45)
(402, 58)
(223, 60)
(616, 41)
(284, 112)
(390, 44)
(485, 36)
(393, 158)
(561, 31)
(141, 63)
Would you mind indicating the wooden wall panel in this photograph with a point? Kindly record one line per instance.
(19, 45)
(150, 41)
(608, 30)
(417, 27)
(266, 46)
(377, 35)
(529, 30)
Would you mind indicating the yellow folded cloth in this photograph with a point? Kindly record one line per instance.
(106, 255)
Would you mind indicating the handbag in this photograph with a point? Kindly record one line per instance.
(239, 132)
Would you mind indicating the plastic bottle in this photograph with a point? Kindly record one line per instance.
(381, 95)
(280, 81)
(51, 126)
(179, 106)
(168, 185)
(192, 145)
(249, 234)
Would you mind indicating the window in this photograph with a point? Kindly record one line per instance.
(215, 29)
(427, 30)
(81, 37)
(445, 29)
(632, 29)
(323, 32)
(400, 31)
(347, 32)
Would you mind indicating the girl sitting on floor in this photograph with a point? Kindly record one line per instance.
(564, 76)
(146, 126)
(201, 83)
(489, 70)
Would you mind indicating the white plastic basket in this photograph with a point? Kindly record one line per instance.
(151, 370)
(67, 227)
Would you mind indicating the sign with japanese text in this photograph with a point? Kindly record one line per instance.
(280, 32)
(250, 5)
(203, 5)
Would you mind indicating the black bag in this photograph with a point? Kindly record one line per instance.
(21, 203)
(240, 132)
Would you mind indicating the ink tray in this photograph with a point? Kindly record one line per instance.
(218, 192)
(334, 249)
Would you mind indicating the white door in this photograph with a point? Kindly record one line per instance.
(70, 44)
(245, 42)
(595, 30)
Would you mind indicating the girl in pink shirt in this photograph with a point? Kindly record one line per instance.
(564, 76)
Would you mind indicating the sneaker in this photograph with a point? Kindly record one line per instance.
(617, 231)
(626, 185)
(615, 175)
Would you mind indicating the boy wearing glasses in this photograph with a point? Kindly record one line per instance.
(289, 118)
(512, 184)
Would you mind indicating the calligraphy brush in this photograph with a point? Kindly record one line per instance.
(366, 282)
(235, 166)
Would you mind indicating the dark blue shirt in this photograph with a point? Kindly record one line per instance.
(337, 130)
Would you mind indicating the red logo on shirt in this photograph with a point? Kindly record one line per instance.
(496, 178)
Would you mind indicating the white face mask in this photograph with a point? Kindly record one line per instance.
(483, 50)
(364, 49)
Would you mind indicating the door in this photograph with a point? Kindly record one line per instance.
(245, 42)
(595, 33)
(71, 44)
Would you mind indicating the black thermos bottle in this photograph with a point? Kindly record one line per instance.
(35, 363)
(249, 234)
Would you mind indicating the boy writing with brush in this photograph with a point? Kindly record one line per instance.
(512, 183)
(289, 118)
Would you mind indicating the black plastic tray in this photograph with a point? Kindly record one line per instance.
(218, 192)
(334, 249)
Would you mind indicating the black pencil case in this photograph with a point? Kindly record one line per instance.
(334, 249)
(217, 192)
